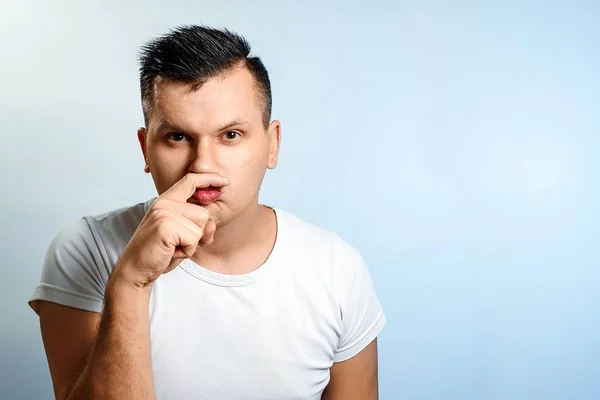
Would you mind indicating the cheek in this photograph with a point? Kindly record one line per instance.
(166, 170)
(170, 160)
(245, 161)
(251, 168)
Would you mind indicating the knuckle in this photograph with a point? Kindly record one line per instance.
(159, 214)
(160, 202)
(203, 215)
(164, 226)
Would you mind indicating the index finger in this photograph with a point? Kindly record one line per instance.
(186, 186)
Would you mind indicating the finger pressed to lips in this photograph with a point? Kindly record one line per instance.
(187, 186)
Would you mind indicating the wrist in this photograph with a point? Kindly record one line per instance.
(124, 275)
(121, 286)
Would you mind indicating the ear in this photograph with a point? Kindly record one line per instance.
(141, 134)
(274, 135)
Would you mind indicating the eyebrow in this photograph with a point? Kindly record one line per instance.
(235, 122)
(166, 125)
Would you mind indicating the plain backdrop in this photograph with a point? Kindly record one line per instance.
(455, 144)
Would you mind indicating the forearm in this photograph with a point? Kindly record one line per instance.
(120, 364)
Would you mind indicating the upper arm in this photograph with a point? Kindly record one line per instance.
(353, 374)
(355, 378)
(75, 270)
(68, 335)
(361, 314)
(69, 300)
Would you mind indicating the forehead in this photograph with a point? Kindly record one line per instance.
(229, 96)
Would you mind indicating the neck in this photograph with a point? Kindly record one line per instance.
(236, 235)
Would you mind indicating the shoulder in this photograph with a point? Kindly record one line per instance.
(80, 258)
(325, 244)
(118, 225)
(106, 232)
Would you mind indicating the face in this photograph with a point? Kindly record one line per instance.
(215, 129)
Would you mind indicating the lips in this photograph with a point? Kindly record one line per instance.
(207, 195)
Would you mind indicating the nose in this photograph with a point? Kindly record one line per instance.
(205, 157)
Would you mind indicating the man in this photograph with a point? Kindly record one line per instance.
(202, 292)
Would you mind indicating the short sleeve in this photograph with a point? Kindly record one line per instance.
(71, 275)
(362, 316)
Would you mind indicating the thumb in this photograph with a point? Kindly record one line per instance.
(173, 264)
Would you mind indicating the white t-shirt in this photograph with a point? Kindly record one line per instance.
(272, 333)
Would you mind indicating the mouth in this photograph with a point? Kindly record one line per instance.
(207, 195)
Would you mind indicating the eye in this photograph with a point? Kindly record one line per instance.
(177, 137)
(231, 135)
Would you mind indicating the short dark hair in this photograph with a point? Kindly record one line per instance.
(193, 54)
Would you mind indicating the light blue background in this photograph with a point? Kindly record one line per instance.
(455, 144)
